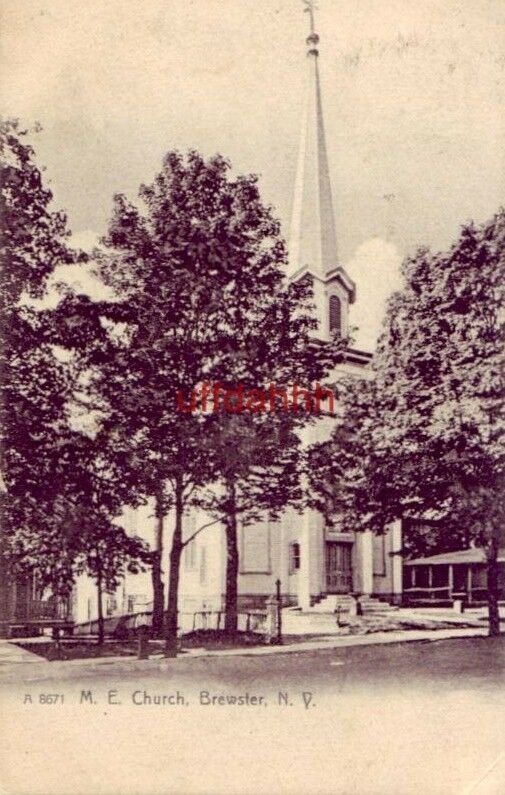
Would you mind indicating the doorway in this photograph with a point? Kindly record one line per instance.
(338, 567)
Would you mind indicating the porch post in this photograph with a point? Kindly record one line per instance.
(284, 557)
(367, 562)
(397, 560)
(450, 580)
(304, 570)
(469, 583)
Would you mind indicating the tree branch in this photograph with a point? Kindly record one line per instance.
(203, 527)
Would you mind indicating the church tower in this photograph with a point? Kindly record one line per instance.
(313, 240)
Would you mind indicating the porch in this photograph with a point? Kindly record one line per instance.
(442, 579)
(25, 610)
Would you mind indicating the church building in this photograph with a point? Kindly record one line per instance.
(318, 566)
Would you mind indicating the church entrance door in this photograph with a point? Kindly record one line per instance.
(338, 567)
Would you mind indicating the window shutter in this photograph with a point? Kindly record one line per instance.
(203, 565)
(335, 314)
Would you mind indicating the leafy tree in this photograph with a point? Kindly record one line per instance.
(356, 480)
(58, 481)
(199, 266)
(434, 419)
(33, 235)
(35, 384)
(108, 553)
(175, 263)
(339, 469)
(440, 375)
(257, 462)
(258, 453)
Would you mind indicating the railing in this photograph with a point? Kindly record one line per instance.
(445, 594)
(441, 593)
(122, 625)
(42, 610)
(249, 621)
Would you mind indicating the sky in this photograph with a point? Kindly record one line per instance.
(413, 94)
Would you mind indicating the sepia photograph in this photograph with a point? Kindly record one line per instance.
(252, 415)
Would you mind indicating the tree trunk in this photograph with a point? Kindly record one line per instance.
(173, 581)
(493, 589)
(101, 623)
(156, 571)
(4, 589)
(232, 562)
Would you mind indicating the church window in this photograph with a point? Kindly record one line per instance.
(255, 552)
(379, 554)
(134, 601)
(335, 314)
(111, 606)
(294, 557)
(191, 547)
(190, 556)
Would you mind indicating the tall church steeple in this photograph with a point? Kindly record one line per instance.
(313, 239)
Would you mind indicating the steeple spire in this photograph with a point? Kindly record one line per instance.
(310, 7)
(313, 240)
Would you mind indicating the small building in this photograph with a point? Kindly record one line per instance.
(26, 608)
(440, 579)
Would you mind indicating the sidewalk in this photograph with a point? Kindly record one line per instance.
(9, 653)
(295, 622)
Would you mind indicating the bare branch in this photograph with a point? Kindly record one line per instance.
(203, 527)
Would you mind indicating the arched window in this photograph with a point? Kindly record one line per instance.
(335, 314)
(294, 557)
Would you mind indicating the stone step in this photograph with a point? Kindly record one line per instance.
(344, 603)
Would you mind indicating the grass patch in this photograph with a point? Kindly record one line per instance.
(210, 639)
(74, 649)
(80, 650)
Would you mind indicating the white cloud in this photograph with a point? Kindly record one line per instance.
(375, 267)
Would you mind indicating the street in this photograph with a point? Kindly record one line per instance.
(421, 717)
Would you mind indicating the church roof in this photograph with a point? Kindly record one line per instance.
(472, 555)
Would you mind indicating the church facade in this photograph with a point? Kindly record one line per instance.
(315, 564)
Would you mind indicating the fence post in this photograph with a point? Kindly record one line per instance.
(355, 608)
(274, 616)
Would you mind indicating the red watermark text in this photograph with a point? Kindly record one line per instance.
(237, 399)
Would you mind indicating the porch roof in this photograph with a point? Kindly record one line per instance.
(472, 555)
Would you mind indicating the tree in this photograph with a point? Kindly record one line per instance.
(258, 450)
(35, 384)
(339, 470)
(434, 433)
(202, 269)
(63, 486)
(33, 235)
(188, 264)
(444, 344)
(258, 474)
(108, 553)
(359, 479)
